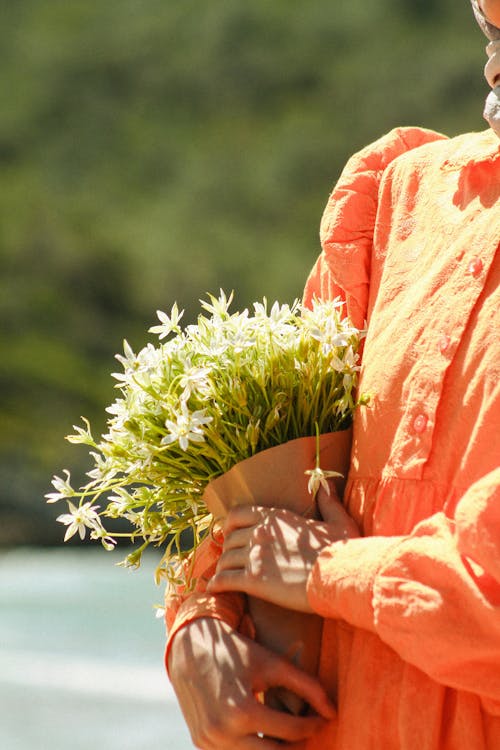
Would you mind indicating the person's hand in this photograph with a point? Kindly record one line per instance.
(270, 553)
(217, 673)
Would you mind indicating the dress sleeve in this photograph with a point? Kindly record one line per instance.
(433, 596)
(348, 223)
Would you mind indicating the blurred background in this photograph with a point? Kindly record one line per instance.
(151, 151)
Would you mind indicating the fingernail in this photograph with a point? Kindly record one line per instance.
(330, 712)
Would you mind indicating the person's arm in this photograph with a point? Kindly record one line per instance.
(217, 671)
(433, 596)
(217, 674)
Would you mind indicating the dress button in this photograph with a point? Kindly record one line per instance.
(475, 267)
(420, 423)
(444, 344)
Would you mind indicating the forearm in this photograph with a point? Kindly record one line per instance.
(228, 608)
(433, 596)
(182, 608)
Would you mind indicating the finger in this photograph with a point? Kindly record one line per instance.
(237, 538)
(284, 726)
(280, 673)
(230, 580)
(332, 494)
(244, 743)
(256, 743)
(243, 516)
(333, 512)
(329, 506)
(233, 559)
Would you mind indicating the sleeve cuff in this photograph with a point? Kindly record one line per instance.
(341, 583)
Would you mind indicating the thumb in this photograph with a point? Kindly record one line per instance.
(329, 504)
(286, 675)
(333, 513)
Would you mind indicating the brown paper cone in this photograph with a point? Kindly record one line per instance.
(276, 478)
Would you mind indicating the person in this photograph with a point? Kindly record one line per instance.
(406, 572)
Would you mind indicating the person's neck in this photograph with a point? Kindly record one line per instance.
(492, 70)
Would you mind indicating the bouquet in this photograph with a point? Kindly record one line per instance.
(238, 407)
(204, 399)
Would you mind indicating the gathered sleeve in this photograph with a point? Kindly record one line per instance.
(432, 596)
(348, 223)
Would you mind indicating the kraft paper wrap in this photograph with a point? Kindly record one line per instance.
(276, 478)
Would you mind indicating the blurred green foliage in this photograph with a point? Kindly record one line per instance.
(152, 151)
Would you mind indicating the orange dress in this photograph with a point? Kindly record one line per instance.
(411, 643)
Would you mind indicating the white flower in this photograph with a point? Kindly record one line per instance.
(347, 381)
(169, 323)
(120, 503)
(160, 613)
(330, 334)
(107, 541)
(194, 379)
(137, 368)
(218, 308)
(279, 324)
(240, 340)
(142, 455)
(337, 363)
(325, 324)
(129, 361)
(80, 518)
(263, 376)
(83, 435)
(63, 488)
(317, 479)
(119, 410)
(130, 364)
(188, 427)
(104, 468)
(346, 363)
(214, 346)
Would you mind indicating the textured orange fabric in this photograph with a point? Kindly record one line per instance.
(411, 644)
(413, 607)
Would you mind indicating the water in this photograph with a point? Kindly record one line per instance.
(81, 655)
